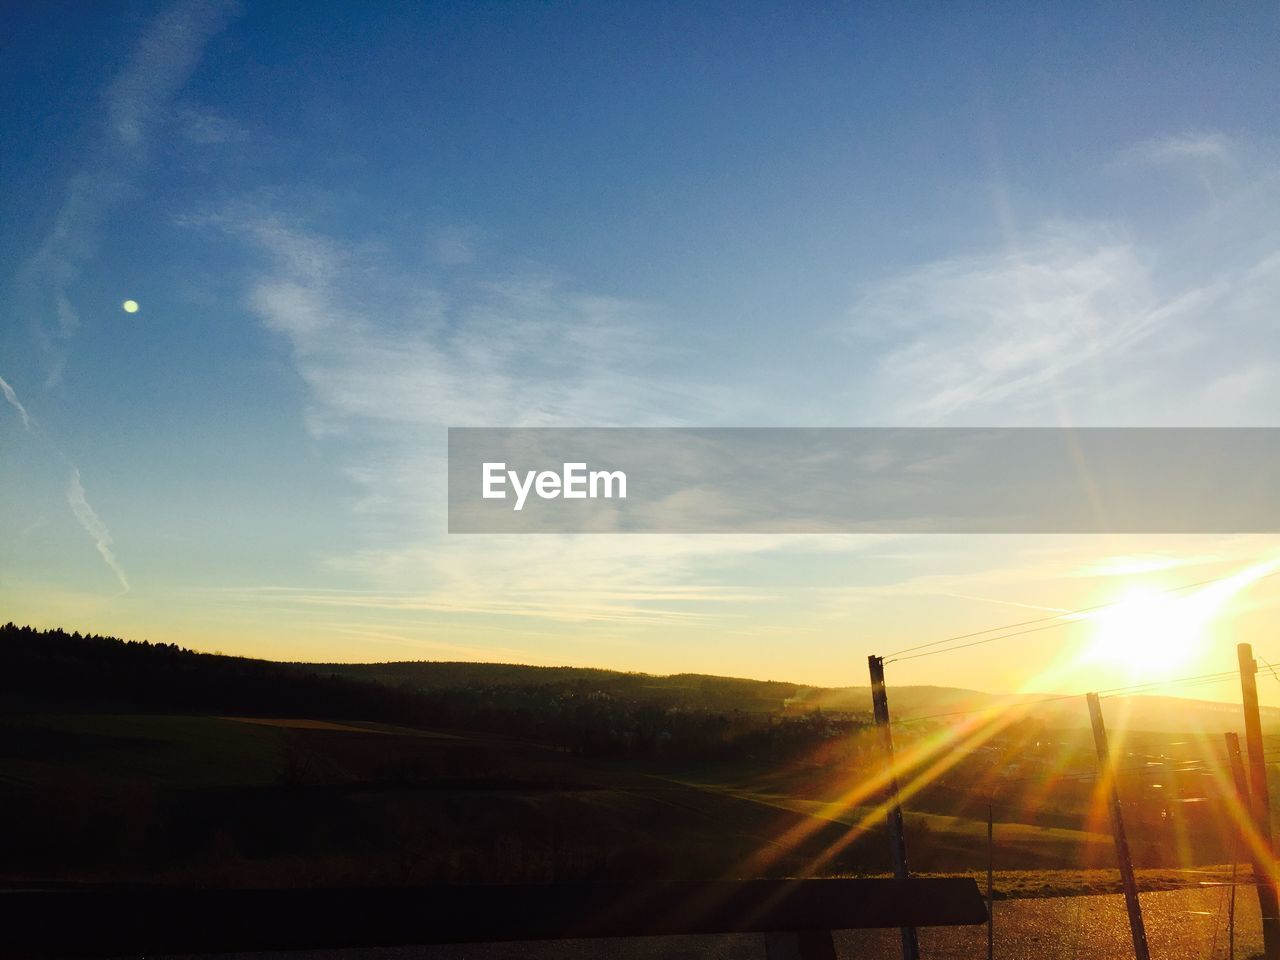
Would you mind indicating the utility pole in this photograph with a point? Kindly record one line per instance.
(1242, 795)
(991, 901)
(897, 837)
(1261, 805)
(1136, 927)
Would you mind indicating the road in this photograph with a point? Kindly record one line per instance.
(1181, 925)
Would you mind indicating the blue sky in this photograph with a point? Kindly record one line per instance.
(350, 228)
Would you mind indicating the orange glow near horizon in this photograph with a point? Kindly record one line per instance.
(1148, 632)
(1152, 634)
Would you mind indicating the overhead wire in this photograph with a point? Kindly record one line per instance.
(1038, 624)
(1196, 680)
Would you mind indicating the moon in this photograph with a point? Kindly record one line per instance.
(130, 306)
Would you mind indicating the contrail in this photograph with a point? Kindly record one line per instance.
(89, 519)
(15, 403)
(94, 526)
(1007, 603)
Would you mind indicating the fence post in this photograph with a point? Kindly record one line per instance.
(1261, 803)
(1242, 795)
(991, 902)
(1140, 950)
(897, 836)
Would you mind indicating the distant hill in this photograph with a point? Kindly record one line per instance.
(96, 671)
(91, 672)
(908, 703)
(951, 705)
(586, 712)
(680, 690)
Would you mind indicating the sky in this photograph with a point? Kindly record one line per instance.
(349, 230)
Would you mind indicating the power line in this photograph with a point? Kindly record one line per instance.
(1197, 680)
(1179, 681)
(977, 643)
(1050, 622)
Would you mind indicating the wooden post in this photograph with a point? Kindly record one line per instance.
(897, 836)
(1242, 794)
(1231, 913)
(991, 902)
(1260, 805)
(1140, 950)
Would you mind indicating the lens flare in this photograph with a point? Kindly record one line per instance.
(1152, 632)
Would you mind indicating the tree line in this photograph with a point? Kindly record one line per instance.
(90, 672)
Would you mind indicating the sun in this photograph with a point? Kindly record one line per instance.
(1153, 633)
(1149, 632)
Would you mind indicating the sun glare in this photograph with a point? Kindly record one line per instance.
(1146, 632)
(1152, 633)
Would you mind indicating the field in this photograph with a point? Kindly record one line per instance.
(148, 764)
(303, 802)
(294, 801)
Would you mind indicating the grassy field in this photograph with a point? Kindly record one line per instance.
(958, 837)
(298, 801)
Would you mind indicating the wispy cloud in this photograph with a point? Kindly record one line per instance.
(94, 526)
(1141, 321)
(201, 125)
(982, 332)
(1131, 565)
(1199, 147)
(380, 348)
(390, 360)
(80, 506)
(164, 58)
(455, 245)
(12, 397)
